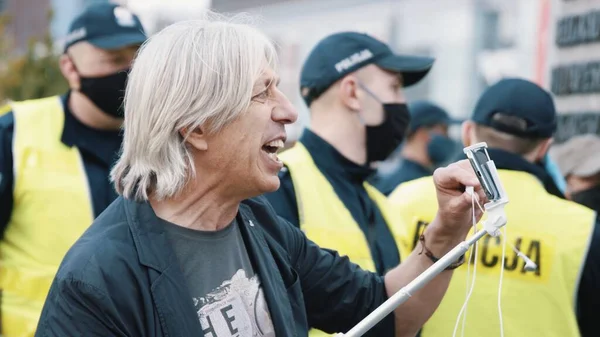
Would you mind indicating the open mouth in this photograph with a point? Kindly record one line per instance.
(272, 147)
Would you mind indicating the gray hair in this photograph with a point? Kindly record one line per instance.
(190, 74)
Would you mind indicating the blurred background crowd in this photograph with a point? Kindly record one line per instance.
(475, 42)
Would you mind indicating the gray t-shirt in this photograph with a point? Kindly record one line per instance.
(226, 292)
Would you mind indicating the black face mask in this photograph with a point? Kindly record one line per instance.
(106, 92)
(589, 198)
(383, 139)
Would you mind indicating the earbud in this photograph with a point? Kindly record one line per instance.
(529, 265)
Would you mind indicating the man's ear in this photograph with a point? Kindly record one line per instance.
(195, 138)
(347, 93)
(69, 71)
(466, 133)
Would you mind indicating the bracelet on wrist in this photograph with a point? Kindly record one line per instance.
(435, 259)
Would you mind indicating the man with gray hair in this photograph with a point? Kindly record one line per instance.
(190, 248)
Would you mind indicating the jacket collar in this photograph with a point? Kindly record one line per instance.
(328, 159)
(263, 260)
(510, 161)
(169, 286)
(101, 144)
(170, 294)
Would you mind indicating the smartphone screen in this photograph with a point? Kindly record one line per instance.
(479, 162)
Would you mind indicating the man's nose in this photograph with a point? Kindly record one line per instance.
(284, 112)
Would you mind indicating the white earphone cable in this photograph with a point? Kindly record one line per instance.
(500, 283)
(501, 272)
(467, 290)
(472, 283)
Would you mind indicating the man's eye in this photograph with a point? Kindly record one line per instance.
(261, 96)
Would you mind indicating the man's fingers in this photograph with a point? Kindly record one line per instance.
(482, 196)
(480, 193)
(457, 176)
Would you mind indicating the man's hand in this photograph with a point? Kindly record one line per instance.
(454, 216)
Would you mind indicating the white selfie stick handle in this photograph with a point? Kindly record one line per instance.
(406, 292)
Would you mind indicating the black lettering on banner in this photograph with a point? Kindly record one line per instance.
(484, 252)
(572, 124)
(491, 260)
(229, 319)
(210, 329)
(534, 253)
(578, 29)
(579, 78)
(420, 229)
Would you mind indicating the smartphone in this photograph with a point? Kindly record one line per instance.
(485, 170)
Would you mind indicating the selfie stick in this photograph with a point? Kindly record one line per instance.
(486, 172)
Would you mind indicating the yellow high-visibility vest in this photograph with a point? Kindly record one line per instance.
(326, 220)
(553, 232)
(4, 109)
(52, 208)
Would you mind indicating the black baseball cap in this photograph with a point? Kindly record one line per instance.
(425, 113)
(518, 107)
(342, 53)
(106, 26)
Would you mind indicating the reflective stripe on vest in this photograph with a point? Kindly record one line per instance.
(326, 220)
(52, 208)
(553, 232)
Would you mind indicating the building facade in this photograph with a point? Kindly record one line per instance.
(28, 19)
(475, 42)
(573, 65)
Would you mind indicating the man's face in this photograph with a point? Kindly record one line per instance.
(87, 60)
(245, 150)
(438, 129)
(387, 86)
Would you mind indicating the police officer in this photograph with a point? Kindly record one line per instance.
(517, 118)
(579, 161)
(352, 84)
(55, 155)
(427, 145)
